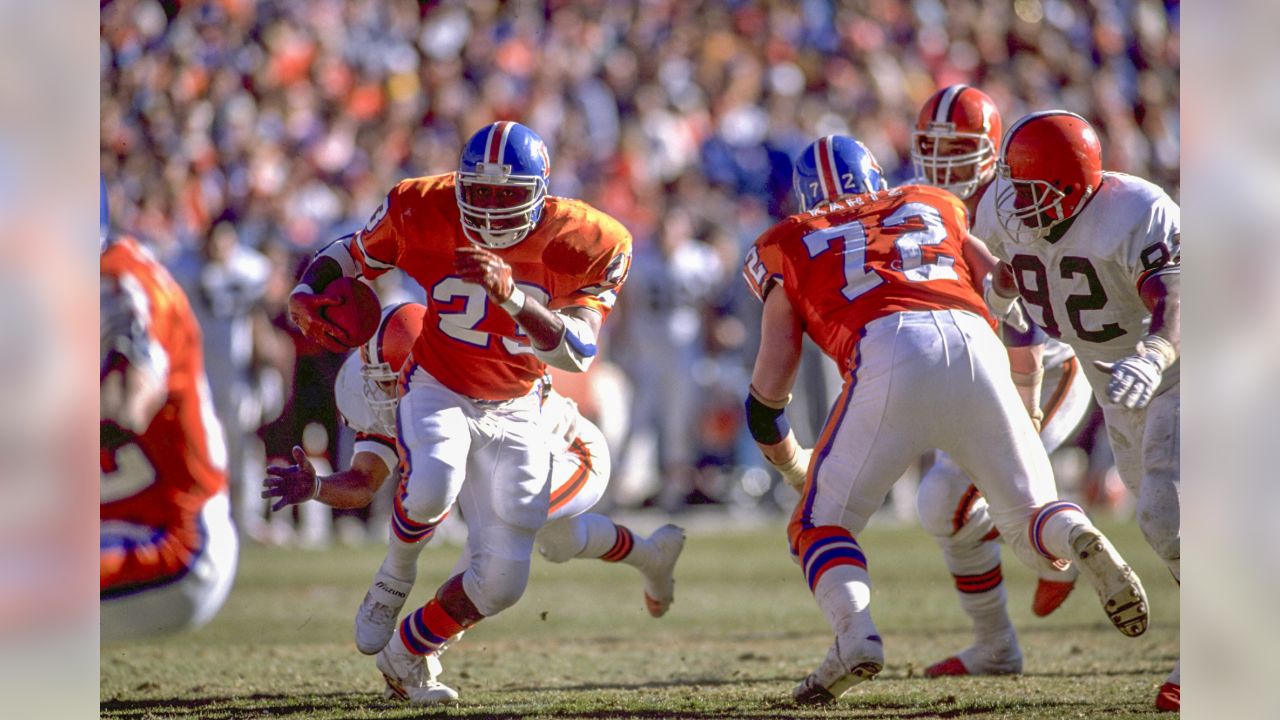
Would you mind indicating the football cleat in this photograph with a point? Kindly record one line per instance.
(952, 666)
(412, 677)
(1050, 594)
(1002, 659)
(1169, 699)
(847, 663)
(659, 569)
(376, 617)
(1117, 585)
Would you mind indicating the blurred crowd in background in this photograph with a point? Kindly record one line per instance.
(238, 137)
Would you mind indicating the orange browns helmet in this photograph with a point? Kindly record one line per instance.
(956, 139)
(382, 357)
(1051, 164)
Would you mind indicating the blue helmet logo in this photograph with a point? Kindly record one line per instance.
(833, 166)
(502, 184)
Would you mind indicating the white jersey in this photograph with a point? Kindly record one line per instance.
(1084, 288)
(374, 434)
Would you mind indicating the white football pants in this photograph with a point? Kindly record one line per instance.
(500, 451)
(919, 381)
(949, 505)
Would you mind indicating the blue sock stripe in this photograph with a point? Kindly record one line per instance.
(1042, 519)
(832, 558)
(819, 544)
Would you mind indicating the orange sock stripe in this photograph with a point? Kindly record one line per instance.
(621, 546)
(961, 515)
(1069, 368)
(981, 582)
(577, 482)
(439, 621)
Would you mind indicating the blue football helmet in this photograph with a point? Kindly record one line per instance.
(502, 184)
(833, 166)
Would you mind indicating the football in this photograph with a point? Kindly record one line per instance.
(357, 312)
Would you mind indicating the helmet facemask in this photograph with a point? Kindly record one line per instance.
(936, 162)
(1030, 209)
(488, 218)
(380, 393)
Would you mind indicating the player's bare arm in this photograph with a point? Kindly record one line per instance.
(1026, 366)
(349, 489)
(982, 263)
(777, 363)
(306, 302)
(564, 339)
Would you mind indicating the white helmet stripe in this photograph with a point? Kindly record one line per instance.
(497, 143)
(819, 150)
(942, 113)
(837, 188)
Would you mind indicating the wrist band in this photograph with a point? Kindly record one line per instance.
(514, 302)
(302, 288)
(316, 492)
(1161, 348)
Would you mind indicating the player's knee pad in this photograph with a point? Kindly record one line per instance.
(425, 510)
(421, 499)
(494, 583)
(558, 540)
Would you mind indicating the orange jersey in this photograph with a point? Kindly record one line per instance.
(576, 256)
(848, 262)
(156, 483)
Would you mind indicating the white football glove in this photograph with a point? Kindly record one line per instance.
(1134, 379)
(794, 470)
(1006, 309)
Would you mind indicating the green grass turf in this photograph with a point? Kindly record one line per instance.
(744, 629)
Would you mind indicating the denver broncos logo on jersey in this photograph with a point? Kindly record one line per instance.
(377, 216)
(616, 272)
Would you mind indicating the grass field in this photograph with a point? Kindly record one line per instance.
(744, 629)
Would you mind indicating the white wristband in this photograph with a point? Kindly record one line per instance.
(1158, 350)
(514, 302)
(302, 288)
(316, 492)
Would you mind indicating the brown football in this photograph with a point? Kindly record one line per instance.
(358, 311)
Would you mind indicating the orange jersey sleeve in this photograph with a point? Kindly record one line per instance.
(846, 263)
(379, 245)
(589, 256)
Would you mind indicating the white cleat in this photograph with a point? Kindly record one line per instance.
(378, 612)
(1116, 583)
(412, 677)
(848, 663)
(659, 569)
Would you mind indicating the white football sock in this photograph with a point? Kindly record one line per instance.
(844, 595)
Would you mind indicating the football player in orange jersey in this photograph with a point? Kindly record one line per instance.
(516, 280)
(580, 464)
(954, 147)
(168, 548)
(886, 283)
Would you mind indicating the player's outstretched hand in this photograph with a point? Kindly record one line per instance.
(306, 311)
(484, 268)
(293, 484)
(1133, 380)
